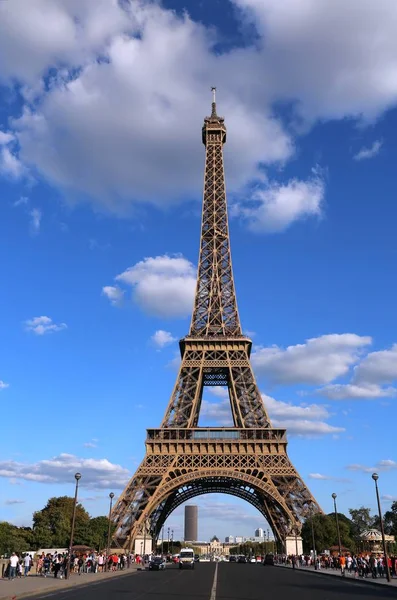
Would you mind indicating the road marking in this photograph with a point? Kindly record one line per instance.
(213, 590)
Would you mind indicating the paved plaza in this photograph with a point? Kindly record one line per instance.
(19, 588)
(208, 581)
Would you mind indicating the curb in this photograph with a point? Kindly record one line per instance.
(387, 586)
(50, 590)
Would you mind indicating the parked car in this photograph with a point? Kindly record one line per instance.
(242, 559)
(157, 564)
(232, 558)
(269, 559)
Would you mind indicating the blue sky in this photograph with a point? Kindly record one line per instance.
(101, 167)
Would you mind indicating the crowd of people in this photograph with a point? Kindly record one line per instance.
(57, 564)
(358, 565)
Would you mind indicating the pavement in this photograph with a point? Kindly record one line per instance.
(224, 581)
(347, 576)
(27, 586)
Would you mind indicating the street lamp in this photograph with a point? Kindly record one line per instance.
(111, 496)
(77, 478)
(168, 540)
(375, 477)
(144, 534)
(337, 524)
(313, 540)
(162, 541)
(172, 541)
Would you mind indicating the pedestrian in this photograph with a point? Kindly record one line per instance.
(13, 562)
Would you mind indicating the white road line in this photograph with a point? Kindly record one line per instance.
(213, 590)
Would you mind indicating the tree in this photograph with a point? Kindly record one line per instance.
(361, 520)
(51, 525)
(15, 539)
(325, 532)
(390, 520)
(97, 532)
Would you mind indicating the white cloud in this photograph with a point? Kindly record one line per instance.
(350, 391)
(6, 137)
(369, 152)
(35, 220)
(378, 367)
(162, 338)
(23, 200)
(336, 59)
(11, 502)
(102, 122)
(10, 164)
(321, 477)
(370, 378)
(113, 293)
(95, 473)
(43, 325)
(162, 285)
(280, 205)
(382, 465)
(318, 360)
(388, 498)
(306, 428)
(3, 385)
(92, 444)
(285, 410)
(299, 420)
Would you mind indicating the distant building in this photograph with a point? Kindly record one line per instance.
(239, 539)
(229, 539)
(191, 523)
(259, 532)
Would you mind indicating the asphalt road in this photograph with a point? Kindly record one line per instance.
(224, 581)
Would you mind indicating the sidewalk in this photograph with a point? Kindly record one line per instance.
(347, 577)
(32, 585)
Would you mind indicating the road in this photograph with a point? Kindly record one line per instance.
(209, 581)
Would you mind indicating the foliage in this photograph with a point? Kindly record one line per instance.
(325, 532)
(390, 520)
(97, 532)
(361, 520)
(253, 548)
(13, 538)
(52, 524)
(175, 546)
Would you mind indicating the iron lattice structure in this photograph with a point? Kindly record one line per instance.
(182, 460)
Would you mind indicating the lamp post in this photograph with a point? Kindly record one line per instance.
(172, 542)
(337, 524)
(313, 540)
(77, 478)
(375, 477)
(144, 535)
(162, 541)
(168, 540)
(111, 496)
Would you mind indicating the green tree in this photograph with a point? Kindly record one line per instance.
(51, 525)
(15, 539)
(390, 520)
(325, 532)
(97, 532)
(361, 520)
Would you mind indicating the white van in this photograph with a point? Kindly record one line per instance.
(186, 558)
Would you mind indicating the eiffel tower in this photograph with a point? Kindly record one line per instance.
(249, 459)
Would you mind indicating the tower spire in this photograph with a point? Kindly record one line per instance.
(213, 112)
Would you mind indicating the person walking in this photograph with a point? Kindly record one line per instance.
(13, 562)
(26, 565)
